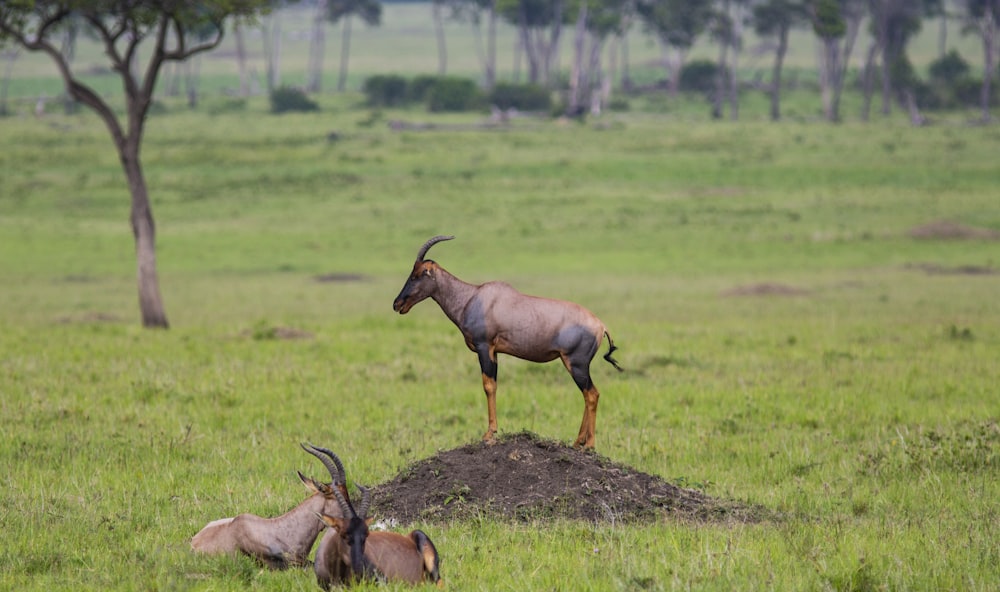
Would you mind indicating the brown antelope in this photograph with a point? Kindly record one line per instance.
(349, 551)
(287, 539)
(496, 319)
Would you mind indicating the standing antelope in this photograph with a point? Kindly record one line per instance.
(495, 318)
(349, 551)
(285, 540)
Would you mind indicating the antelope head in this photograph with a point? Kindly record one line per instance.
(420, 284)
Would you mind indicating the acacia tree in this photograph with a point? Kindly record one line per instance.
(777, 17)
(983, 18)
(835, 21)
(160, 27)
(539, 25)
(677, 24)
(474, 12)
(727, 30)
(596, 20)
(369, 11)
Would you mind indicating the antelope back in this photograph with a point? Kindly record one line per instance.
(397, 557)
(215, 537)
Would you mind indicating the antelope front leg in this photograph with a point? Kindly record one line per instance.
(488, 364)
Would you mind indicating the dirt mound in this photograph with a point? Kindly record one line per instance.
(524, 477)
(946, 229)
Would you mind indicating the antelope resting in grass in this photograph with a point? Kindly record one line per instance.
(497, 319)
(285, 540)
(349, 551)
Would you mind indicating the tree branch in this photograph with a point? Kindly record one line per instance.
(74, 87)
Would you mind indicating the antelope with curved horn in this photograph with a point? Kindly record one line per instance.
(349, 551)
(287, 539)
(496, 319)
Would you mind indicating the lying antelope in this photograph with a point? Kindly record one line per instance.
(497, 319)
(285, 540)
(349, 551)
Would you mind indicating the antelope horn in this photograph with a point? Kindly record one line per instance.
(336, 468)
(345, 505)
(423, 250)
(366, 498)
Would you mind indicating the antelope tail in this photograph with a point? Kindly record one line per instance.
(611, 350)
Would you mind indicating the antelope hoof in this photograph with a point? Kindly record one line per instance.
(490, 437)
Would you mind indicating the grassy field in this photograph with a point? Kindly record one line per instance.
(787, 342)
(861, 407)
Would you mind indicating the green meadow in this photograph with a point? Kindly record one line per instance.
(788, 343)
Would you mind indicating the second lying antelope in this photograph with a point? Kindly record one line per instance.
(349, 551)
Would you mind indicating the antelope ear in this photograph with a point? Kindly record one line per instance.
(309, 483)
(338, 524)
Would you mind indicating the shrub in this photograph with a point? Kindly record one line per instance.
(421, 86)
(949, 68)
(524, 97)
(952, 85)
(620, 104)
(386, 90)
(287, 98)
(453, 94)
(699, 76)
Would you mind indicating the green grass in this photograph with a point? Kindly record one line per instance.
(864, 413)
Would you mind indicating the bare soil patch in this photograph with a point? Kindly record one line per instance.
(337, 277)
(524, 477)
(92, 317)
(765, 289)
(935, 269)
(948, 230)
(276, 332)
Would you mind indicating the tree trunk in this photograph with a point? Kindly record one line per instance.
(989, 30)
(345, 51)
(11, 56)
(867, 82)
(733, 73)
(317, 48)
(272, 51)
(608, 78)
(241, 59)
(518, 50)
(144, 232)
(910, 101)
(439, 34)
(943, 31)
(829, 55)
(720, 80)
(626, 77)
(527, 46)
(491, 46)
(853, 25)
(883, 41)
(551, 54)
(192, 79)
(593, 76)
(488, 55)
(673, 66)
(779, 60)
(576, 73)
